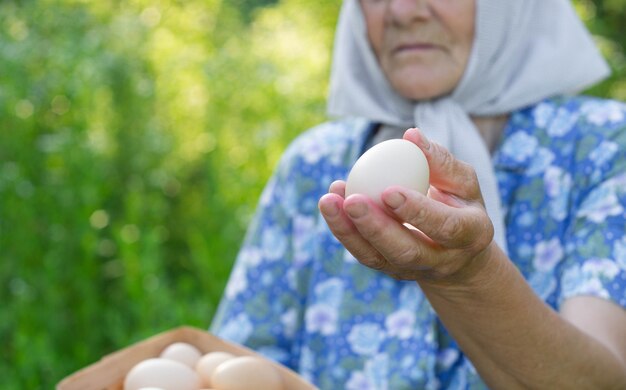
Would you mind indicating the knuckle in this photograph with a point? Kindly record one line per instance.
(486, 234)
(451, 230)
(406, 255)
(445, 158)
(447, 268)
(377, 263)
(473, 184)
(470, 173)
(416, 214)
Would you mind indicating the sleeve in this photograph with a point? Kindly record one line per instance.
(596, 248)
(261, 305)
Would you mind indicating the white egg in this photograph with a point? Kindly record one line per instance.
(207, 364)
(182, 352)
(393, 162)
(164, 374)
(244, 373)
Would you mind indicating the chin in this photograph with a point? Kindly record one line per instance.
(418, 90)
(424, 84)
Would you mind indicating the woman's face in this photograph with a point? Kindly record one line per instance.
(423, 46)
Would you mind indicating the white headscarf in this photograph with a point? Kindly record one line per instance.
(523, 51)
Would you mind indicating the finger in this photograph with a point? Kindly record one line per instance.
(449, 227)
(389, 237)
(331, 207)
(446, 172)
(338, 187)
(446, 198)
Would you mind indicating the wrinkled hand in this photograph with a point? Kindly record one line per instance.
(444, 237)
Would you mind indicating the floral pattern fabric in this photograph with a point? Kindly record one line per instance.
(297, 296)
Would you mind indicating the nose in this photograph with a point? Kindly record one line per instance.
(405, 12)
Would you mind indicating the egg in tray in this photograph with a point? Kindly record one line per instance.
(184, 358)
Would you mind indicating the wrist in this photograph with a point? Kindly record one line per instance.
(482, 274)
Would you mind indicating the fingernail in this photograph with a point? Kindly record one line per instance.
(395, 200)
(356, 210)
(331, 210)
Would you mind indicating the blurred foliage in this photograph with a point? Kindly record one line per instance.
(135, 138)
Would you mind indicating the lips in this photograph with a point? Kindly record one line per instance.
(417, 46)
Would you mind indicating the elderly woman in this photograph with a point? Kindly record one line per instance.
(516, 276)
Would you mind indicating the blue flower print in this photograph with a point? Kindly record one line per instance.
(603, 153)
(447, 357)
(617, 184)
(558, 184)
(562, 123)
(601, 203)
(359, 381)
(323, 144)
(572, 278)
(544, 284)
(307, 364)
(557, 181)
(541, 161)
(349, 258)
(330, 292)
(577, 282)
(600, 268)
(268, 193)
(459, 382)
(289, 320)
(558, 206)
(525, 250)
(374, 376)
(547, 254)
(600, 112)
(238, 329)
(400, 324)
(274, 353)
(274, 243)
(410, 297)
(321, 318)
(526, 219)
(238, 283)
(619, 251)
(365, 339)
(542, 114)
(519, 147)
(377, 368)
(304, 239)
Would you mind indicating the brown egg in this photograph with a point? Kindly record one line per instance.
(246, 372)
(207, 364)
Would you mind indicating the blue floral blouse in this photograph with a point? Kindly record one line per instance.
(296, 295)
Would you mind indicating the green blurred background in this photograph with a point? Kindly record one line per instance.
(135, 139)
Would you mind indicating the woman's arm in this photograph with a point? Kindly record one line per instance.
(516, 341)
(600, 319)
(512, 337)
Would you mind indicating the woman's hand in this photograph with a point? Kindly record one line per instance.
(442, 238)
(480, 296)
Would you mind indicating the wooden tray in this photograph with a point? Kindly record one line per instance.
(109, 372)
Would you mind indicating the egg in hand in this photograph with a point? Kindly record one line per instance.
(393, 162)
